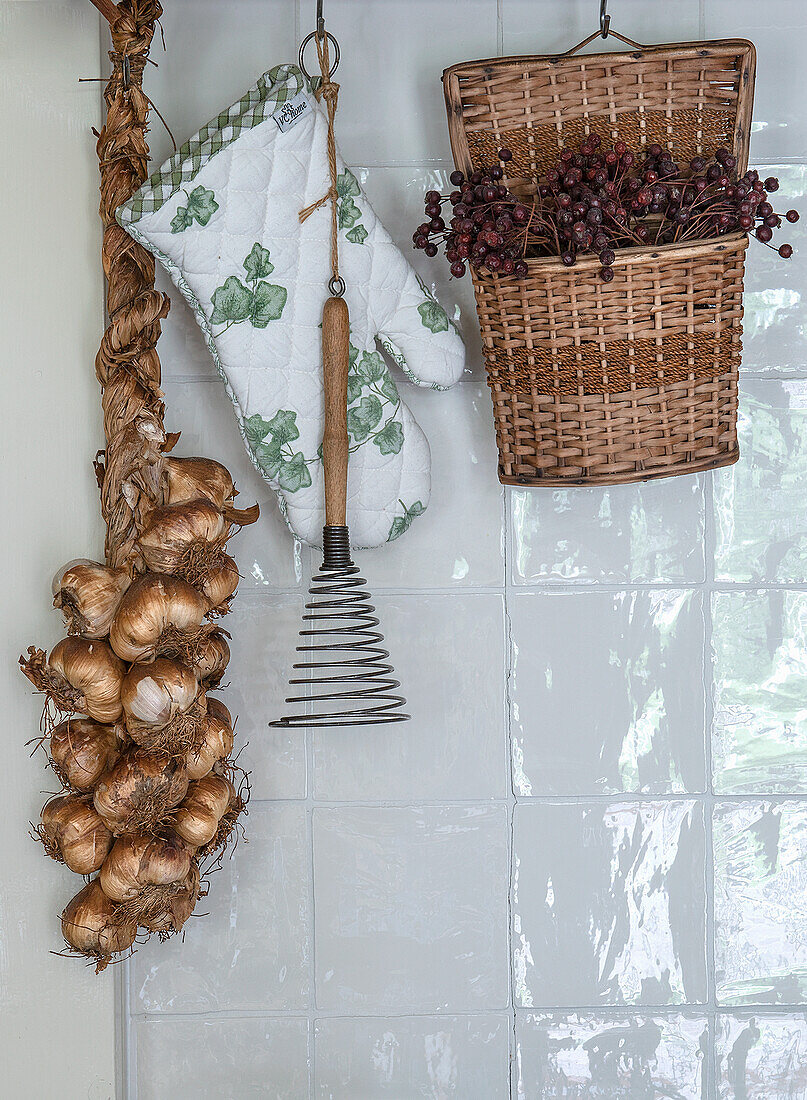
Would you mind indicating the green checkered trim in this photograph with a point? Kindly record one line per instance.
(273, 88)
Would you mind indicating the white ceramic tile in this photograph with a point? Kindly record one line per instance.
(183, 353)
(607, 692)
(608, 904)
(215, 52)
(543, 26)
(250, 949)
(235, 1059)
(411, 912)
(391, 107)
(609, 1056)
(396, 195)
(761, 502)
(264, 635)
(642, 533)
(774, 329)
(760, 901)
(778, 31)
(268, 556)
(759, 738)
(438, 1057)
(458, 541)
(761, 1057)
(448, 654)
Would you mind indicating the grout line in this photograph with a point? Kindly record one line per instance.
(482, 803)
(708, 799)
(511, 811)
(701, 19)
(608, 1011)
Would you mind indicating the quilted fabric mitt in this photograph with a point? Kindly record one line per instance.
(222, 216)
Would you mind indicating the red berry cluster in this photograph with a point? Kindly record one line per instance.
(596, 201)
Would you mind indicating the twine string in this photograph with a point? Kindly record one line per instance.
(329, 91)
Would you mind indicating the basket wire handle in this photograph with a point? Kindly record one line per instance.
(602, 32)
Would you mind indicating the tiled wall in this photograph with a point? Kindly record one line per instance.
(580, 870)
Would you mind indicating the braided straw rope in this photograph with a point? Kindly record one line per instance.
(127, 364)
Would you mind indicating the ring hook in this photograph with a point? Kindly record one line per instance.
(605, 19)
(336, 52)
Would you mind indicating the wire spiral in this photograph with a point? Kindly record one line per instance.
(345, 659)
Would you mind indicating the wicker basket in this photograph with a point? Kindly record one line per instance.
(593, 382)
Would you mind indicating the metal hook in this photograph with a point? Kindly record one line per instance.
(320, 21)
(605, 19)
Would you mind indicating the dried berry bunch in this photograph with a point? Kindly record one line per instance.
(596, 201)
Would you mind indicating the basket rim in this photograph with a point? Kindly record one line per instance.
(731, 242)
(701, 47)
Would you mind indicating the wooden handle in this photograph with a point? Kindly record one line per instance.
(335, 363)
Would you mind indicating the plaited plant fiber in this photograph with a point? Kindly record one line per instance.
(151, 727)
(592, 382)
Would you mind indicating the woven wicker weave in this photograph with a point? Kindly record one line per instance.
(592, 382)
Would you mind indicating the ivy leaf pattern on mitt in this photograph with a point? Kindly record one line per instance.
(433, 316)
(401, 524)
(271, 441)
(259, 303)
(348, 213)
(373, 403)
(201, 207)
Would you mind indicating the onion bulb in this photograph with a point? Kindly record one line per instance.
(191, 478)
(206, 803)
(92, 926)
(157, 611)
(219, 582)
(169, 917)
(163, 706)
(211, 659)
(137, 863)
(139, 791)
(82, 750)
(177, 533)
(72, 831)
(87, 594)
(81, 675)
(217, 744)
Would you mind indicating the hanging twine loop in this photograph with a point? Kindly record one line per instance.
(329, 91)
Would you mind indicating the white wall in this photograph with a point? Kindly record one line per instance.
(57, 1021)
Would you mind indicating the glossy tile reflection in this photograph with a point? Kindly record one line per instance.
(591, 1057)
(607, 692)
(759, 740)
(264, 635)
(760, 902)
(760, 1057)
(236, 1059)
(623, 533)
(453, 746)
(761, 502)
(774, 326)
(419, 1056)
(609, 904)
(251, 949)
(778, 30)
(411, 910)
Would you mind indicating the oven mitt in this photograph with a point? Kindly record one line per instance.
(222, 216)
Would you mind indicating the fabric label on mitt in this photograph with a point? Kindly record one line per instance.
(291, 112)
